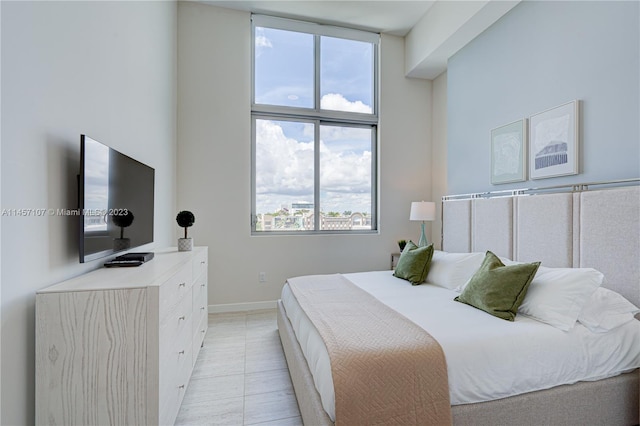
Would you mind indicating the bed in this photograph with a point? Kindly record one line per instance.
(577, 229)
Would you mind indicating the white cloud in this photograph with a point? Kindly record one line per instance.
(285, 171)
(283, 165)
(337, 102)
(345, 179)
(345, 172)
(262, 42)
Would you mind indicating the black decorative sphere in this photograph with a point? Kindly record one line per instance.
(185, 219)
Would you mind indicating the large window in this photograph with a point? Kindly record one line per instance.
(314, 115)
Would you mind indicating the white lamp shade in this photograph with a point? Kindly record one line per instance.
(423, 210)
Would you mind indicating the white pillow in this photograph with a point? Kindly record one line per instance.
(606, 310)
(556, 296)
(452, 270)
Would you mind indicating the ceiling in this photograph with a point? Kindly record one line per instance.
(435, 29)
(391, 17)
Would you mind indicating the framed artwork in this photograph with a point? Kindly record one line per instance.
(508, 152)
(554, 141)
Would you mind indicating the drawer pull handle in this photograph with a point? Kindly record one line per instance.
(202, 262)
(203, 285)
(202, 309)
(181, 387)
(181, 318)
(181, 352)
(203, 331)
(182, 284)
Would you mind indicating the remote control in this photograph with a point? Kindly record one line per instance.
(116, 262)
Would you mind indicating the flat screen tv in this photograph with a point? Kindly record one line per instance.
(116, 195)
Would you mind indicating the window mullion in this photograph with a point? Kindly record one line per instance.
(316, 88)
(374, 175)
(376, 82)
(328, 116)
(316, 175)
(316, 135)
(253, 63)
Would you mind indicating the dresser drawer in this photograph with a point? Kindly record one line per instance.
(199, 334)
(199, 329)
(200, 302)
(176, 324)
(200, 263)
(171, 362)
(175, 288)
(172, 392)
(199, 314)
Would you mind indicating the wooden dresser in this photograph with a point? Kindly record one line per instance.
(118, 345)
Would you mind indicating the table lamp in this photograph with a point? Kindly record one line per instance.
(423, 210)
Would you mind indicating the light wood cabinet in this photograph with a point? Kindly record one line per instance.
(118, 345)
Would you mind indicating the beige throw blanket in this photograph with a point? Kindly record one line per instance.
(386, 370)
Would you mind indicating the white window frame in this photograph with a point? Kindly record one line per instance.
(316, 115)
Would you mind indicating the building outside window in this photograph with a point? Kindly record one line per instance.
(314, 128)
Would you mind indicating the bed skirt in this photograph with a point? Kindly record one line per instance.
(612, 401)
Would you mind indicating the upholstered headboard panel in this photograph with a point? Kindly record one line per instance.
(610, 238)
(457, 223)
(597, 228)
(544, 229)
(492, 224)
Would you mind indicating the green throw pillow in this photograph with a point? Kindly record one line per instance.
(498, 289)
(414, 262)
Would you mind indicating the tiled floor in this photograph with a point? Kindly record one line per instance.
(241, 376)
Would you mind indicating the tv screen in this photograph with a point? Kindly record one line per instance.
(116, 195)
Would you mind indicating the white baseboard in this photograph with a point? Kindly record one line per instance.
(242, 307)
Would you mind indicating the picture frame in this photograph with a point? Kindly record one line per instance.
(509, 152)
(554, 141)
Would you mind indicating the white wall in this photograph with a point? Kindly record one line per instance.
(537, 56)
(439, 152)
(214, 163)
(106, 69)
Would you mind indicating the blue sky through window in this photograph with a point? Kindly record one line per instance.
(284, 68)
(346, 70)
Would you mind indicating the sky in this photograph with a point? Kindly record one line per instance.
(285, 149)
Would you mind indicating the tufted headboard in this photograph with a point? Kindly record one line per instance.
(578, 228)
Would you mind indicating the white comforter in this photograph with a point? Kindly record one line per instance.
(487, 358)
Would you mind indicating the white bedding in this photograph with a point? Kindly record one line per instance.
(487, 358)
